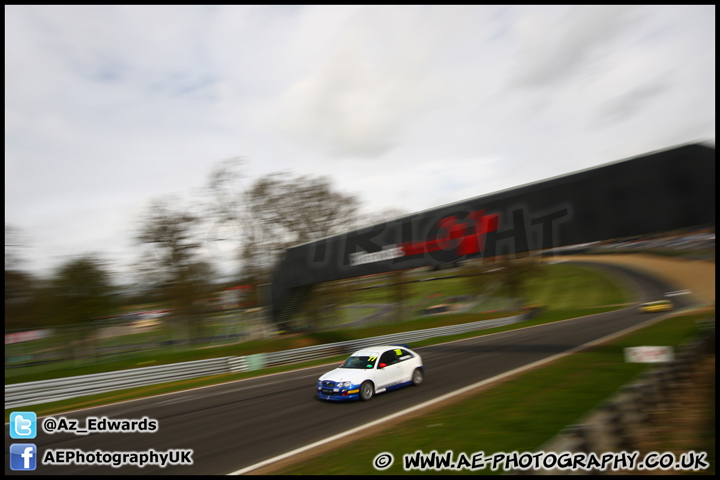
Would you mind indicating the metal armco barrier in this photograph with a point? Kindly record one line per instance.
(45, 391)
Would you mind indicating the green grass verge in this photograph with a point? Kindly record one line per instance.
(517, 415)
(573, 286)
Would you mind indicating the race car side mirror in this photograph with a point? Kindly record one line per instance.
(382, 365)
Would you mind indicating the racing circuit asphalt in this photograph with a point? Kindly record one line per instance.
(238, 424)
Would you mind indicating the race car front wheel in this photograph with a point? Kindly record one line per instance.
(417, 377)
(367, 390)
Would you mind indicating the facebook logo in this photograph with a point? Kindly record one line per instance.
(23, 456)
(23, 425)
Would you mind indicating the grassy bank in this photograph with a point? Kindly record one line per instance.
(517, 415)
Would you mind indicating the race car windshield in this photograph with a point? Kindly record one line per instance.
(359, 362)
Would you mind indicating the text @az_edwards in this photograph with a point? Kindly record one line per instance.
(103, 424)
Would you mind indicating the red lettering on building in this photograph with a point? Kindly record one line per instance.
(453, 233)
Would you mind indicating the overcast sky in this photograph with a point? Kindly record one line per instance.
(408, 107)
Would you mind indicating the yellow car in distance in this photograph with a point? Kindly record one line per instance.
(657, 306)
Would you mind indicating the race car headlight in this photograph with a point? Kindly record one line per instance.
(344, 384)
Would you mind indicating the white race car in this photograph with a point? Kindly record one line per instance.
(372, 370)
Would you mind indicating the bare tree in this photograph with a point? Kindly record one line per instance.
(380, 216)
(275, 212)
(294, 210)
(20, 286)
(13, 243)
(83, 290)
(173, 264)
(280, 210)
(225, 192)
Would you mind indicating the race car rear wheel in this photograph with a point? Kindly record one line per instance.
(417, 377)
(367, 390)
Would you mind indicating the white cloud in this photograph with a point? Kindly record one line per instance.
(385, 70)
(406, 106)
(554, 43)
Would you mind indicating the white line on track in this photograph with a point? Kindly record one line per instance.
(446, 396)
